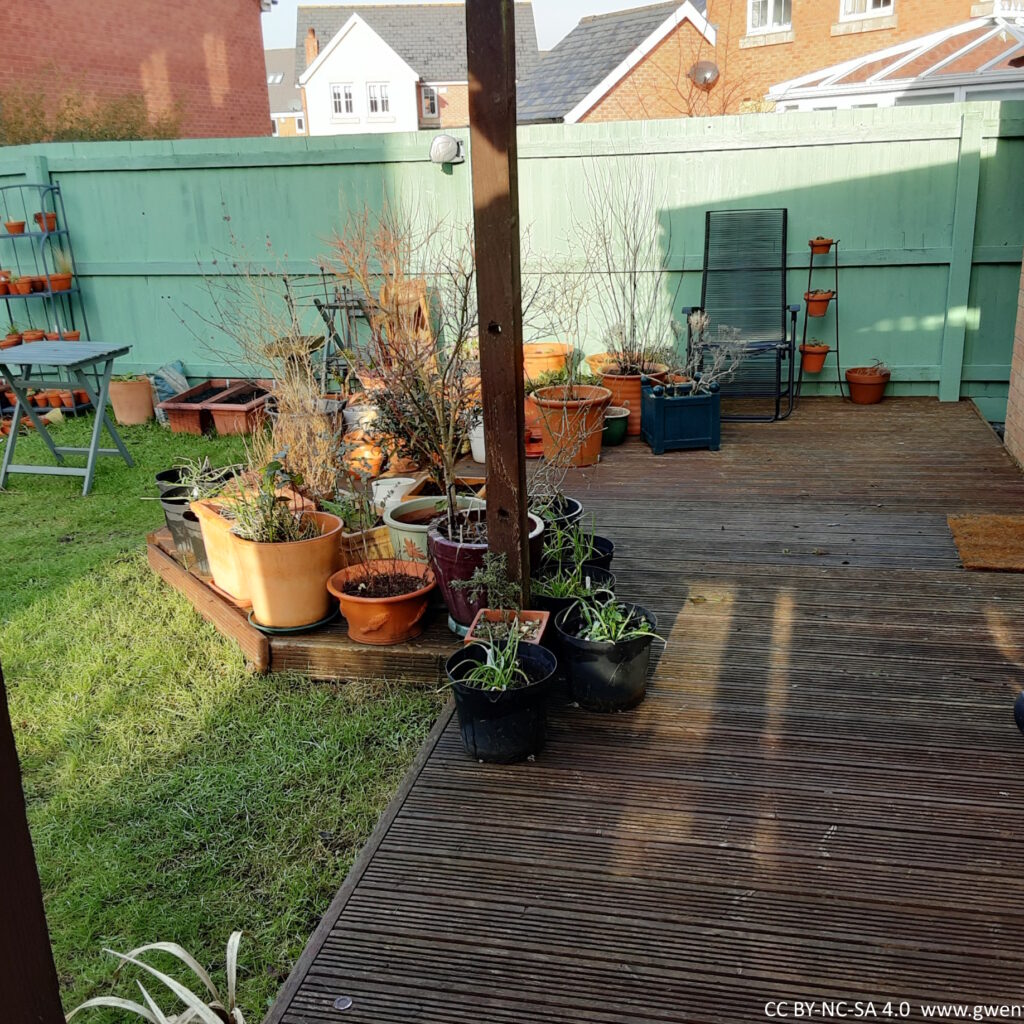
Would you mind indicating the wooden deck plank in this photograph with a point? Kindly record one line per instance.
(819, 799)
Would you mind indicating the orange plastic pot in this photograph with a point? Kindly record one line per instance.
(572, 423)
(626, 392)
(132, 401)
(23, 286)
(288, 581)
(820, 245)
(817, 302)
(867, 385)
(531, 415)
(544, 357)
(813, 357)
(221, 551)
(599, 362)
(15, 227)
(60, 282)
(381, 621)
(28, 336)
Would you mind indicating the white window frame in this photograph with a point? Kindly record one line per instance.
(377, 94)
(772, 25)
(430, 92)
(343, 94)
(885, 11)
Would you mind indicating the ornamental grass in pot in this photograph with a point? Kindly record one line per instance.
(500, 693)
(607, 652)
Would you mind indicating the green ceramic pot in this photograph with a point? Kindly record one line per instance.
(616, 420)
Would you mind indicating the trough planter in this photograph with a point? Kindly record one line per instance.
(605, 676)
(503, 726)
(481, 629)
(188, 412)
(241, 409)
(674, 418)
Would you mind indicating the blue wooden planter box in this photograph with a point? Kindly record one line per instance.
(674, 421)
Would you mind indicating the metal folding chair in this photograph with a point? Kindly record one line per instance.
(743, 292)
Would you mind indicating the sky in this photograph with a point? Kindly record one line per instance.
(554, 18)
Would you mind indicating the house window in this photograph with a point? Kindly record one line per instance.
(342, 103)
(379, 102)
(273, 126)
(854, 9)
(300, 125)
(275, 78)
(429, 101)
(769, 15)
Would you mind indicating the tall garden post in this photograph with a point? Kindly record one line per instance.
(28, 978)
(490, 36)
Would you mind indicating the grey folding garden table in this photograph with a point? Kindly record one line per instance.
(85, 362)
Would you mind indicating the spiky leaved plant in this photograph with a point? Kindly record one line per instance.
(197, 1011)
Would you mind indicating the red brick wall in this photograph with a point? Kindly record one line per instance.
(657, 87)
(455, 106)
(204, 55)
(1015, 403)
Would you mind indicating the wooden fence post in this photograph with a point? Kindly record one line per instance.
(490, 41)
(28, 978)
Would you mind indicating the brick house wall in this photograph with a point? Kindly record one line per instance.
(1015, 401)
(205, 56)
(657, 87)
(455, 106)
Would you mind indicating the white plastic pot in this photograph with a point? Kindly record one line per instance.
(476, 443)
(359, 417)
(390, 490)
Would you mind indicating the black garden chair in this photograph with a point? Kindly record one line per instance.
(743, 294)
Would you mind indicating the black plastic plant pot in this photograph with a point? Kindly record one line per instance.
(605, 677)
(510, 725)
(603, 551)
(175, 503)
(563, 513)
(200, 562)
(600, 580)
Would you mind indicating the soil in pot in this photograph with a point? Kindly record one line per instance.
(572, 421)
(867, 384)
(288, 581)
(503, 726)
(132, 401)
(606, 676)
(812, 357)
(627, 392)
(383, 602)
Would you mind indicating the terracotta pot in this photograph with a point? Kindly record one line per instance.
(133, 403)
(626, 391)
(820, 246)
(4, 286)
(813, 357)
(220, 550)
(490, 616)
(867, 385)
(385, 620)
(288, 581)
(52, 336)
(72, 335)
(23, 286)
(60, 282)
(10, 341)
(572, 421)
(55, 399)
(27, 336)
(40, 400)
(67, 399)
(15, 227)
(599, 362)
(817, 302)
(39, 283)
(46, 221)
(544, 357)
(81, 397)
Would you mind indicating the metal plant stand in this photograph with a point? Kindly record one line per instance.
(24, 365)
(834, 251)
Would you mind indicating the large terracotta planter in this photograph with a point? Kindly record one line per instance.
(627, 392)
(867, 384)
(384, 620)
(572, 422)
(288, 581)
(221, 551)
(544, 357)
(599, 362)
(132, 401)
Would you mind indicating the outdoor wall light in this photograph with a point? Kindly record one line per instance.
(446, 149)
(703, 74)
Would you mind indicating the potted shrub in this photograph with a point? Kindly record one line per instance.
(500, 695)
(61, 280)
(607, 649)
(502, 615)
(132, 399)
(287, 555)
(817, 301)
(812, 355)
(383, 601)
(15, 227)
(867, 383)
(572, 421)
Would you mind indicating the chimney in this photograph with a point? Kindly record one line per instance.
(312, 46)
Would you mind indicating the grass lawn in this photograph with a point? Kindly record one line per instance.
(172, 796)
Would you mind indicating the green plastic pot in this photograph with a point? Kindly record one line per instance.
(616, 420)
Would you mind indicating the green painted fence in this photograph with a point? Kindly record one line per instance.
(926, 201)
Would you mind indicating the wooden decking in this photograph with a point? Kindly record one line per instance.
(820, 799)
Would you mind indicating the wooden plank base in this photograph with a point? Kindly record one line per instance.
(819, 799)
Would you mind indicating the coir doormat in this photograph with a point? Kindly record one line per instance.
(989, 542)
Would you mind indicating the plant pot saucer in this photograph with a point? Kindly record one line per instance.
(228, 597)
(292, 630)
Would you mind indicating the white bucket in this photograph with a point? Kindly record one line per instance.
(476, 443)
(359, 417)
(390, 490)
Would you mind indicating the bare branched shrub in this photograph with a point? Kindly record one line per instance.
(715, 359)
